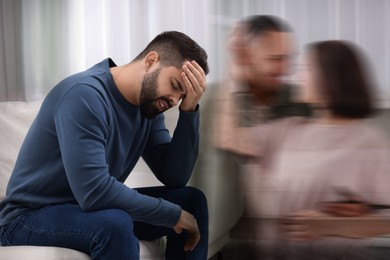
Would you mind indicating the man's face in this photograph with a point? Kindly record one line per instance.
(270, 55)
(162, 88)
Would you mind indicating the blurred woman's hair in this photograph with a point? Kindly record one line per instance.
(344, 79)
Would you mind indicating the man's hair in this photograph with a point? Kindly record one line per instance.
(174, 48)
(344, 80)
(257, 25)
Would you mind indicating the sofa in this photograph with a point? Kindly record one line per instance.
(219, 188)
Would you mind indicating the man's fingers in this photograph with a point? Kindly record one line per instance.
(192, 241)
(188, 85)
(193, 235)
(199, 73)
(191, 77)
(194, 80)
(196, 75)
(195, 69)
(192, 96)
(177, 230)
(188, 222)
(198, 67)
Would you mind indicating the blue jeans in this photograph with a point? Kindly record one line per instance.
(111, 233)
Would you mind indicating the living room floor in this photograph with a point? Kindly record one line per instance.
(237, 249)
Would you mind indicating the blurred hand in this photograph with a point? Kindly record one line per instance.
(351, 206)
(347, 209)
(194, 80)
(188, 222)
(310, 225)
(300, 226)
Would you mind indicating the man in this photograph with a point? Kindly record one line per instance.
(67, 186)
(261, 50)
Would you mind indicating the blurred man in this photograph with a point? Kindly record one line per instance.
(261, 49)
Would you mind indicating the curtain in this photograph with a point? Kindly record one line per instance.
(11, 82)
(43, 41)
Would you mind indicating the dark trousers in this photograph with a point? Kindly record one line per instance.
(111, 233)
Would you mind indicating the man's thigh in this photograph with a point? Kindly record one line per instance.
(65, 225)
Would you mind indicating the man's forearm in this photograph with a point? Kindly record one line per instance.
(181, 154)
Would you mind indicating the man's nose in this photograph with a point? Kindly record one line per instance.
(174, 100)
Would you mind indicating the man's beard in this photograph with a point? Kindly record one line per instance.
(149, 98)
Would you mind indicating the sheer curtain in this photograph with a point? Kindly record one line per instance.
(11, 83)
(43, 41)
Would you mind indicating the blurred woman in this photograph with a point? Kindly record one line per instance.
(315, 162)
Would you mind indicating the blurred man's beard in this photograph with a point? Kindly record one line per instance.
(148, 95)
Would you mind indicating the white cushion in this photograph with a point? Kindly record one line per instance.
(151, 250)
(15, 120)
(40, 253)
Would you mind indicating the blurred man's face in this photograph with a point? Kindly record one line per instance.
(270, 56)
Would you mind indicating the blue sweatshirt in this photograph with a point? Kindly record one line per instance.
(85, 141)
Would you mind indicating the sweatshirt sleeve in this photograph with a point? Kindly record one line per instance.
(173, 162)
(81, 120)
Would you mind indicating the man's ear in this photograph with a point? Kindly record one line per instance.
(151, 59)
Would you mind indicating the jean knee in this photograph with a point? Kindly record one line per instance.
(196, 195)
(117, 223)
(115, 239)
(196, 202)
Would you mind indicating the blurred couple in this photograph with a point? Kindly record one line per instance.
(311, 139)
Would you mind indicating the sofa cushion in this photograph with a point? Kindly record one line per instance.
(149, 250)
(42, 253)
(15, 120)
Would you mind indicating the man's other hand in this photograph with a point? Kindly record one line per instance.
(188, 222)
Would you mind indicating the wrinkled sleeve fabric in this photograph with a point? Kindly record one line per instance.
(172, 161)
(82, 120)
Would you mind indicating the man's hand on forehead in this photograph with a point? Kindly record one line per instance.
(194, 80)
